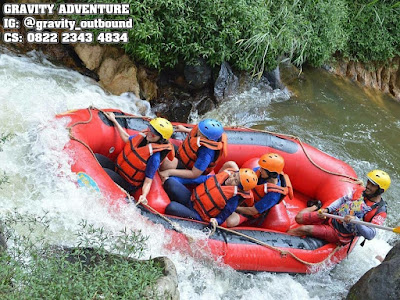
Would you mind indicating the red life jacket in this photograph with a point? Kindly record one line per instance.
(210, 197)
(132, 161)
(187, 151)
(261, 190)
(377, 208)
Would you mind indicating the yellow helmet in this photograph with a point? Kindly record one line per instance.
(163, 127)
(379, 178)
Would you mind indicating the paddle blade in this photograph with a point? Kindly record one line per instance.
(396, 230)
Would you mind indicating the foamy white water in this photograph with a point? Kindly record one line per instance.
(33, 91)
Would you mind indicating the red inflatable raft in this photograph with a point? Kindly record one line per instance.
(264, 248)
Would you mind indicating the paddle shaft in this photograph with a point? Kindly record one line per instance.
(358, 222)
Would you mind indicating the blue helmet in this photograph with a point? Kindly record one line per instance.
(211, 129)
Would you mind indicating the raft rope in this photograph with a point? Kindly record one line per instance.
(283, 253)
(176, 226)
(350, 178)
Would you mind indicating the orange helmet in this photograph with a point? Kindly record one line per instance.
(248, 179)
(272, 162)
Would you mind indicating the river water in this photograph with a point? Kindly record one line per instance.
(338, 117)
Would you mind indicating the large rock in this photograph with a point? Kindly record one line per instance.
(3, 244)
(226, 84)
(198, 75)
(274, 78)
(167, 285)
(383, 76)
(381, 282)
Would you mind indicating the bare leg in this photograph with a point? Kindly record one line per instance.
(233, 220)
(302, 230)
(299, 216)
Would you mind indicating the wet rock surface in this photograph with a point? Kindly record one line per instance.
(381, 282)
(3, 244)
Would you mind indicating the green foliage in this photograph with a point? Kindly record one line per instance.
(257, 34)
(166, 32)
(4, 137)
(33, 269)
(374, 30)
(302, 31)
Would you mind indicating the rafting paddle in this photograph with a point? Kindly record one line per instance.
(396, 230)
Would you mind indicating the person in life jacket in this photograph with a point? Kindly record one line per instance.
(215, 199)
(199, 153)
(141, 156)
(272, 186)
(366, 204)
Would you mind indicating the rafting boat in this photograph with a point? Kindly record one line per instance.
(265, 247)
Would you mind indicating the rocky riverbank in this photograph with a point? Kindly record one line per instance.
(381, 282)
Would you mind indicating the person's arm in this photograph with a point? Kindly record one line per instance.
(229, 208)
(251, 211)
(369, 232)
(181, 128)
(194, 181)
(190, 174)
(122, 133)
(336, 204)
(205, 157)
(152, 166)
(145, 190)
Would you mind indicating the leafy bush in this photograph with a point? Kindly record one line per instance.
(33, 269)
(302, 31)
(374, 30)
(257, 34)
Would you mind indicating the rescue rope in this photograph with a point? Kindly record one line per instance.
(72, 136)
(349, 178)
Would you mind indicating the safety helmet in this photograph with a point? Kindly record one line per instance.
(272, 162)
(248, 179)
(380, 178)
(163, 127)
(211, 129)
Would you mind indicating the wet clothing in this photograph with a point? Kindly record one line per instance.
(152, 164)
(189, 151)
(137, 159)
(205, 157)
(266, 195)
(211, 197)
(182, 205)
(329, 228)
(109, 166)
(268, 200)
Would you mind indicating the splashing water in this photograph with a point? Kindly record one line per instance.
(33, 91)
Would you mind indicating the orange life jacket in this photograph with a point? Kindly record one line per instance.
(187, 151)
(210, 197)
(132, 161)
(261, 190)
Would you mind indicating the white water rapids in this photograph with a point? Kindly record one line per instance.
(33, 91)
